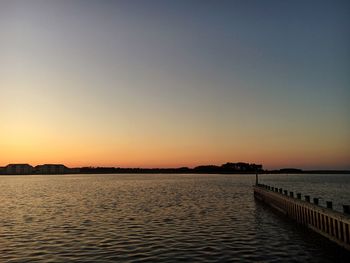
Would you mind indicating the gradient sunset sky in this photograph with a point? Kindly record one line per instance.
(175, 83)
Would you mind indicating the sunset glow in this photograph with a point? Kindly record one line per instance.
(128, 84)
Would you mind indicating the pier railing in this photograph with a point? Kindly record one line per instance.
(331, 224)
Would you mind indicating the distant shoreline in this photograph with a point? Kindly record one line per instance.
(227, 168)
(191, 172)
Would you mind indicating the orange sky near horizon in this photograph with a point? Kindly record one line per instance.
(76, 148)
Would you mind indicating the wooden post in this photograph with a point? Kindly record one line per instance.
(345, 230)
(299, 195)
(307, 198)
(291, 194)
(329, 204)
(339, 230)
(346, 209)
(315, 201)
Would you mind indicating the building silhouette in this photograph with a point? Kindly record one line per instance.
(51, 169)
(18, 168)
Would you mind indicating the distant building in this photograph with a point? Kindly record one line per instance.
(18, 169)
(2, 170)
(51, 169)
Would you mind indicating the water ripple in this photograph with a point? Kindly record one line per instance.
(148, 218)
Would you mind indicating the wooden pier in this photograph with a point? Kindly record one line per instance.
(329, 223)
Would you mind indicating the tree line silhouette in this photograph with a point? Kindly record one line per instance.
(227, 168)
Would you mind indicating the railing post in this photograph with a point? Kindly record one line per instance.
(329, 204)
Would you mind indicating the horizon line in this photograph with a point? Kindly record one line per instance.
(177, 167)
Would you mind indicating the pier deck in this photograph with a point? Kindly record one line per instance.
(331, 224)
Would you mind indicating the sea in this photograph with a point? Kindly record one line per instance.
(160, 218)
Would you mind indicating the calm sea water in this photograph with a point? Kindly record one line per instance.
(168, 218)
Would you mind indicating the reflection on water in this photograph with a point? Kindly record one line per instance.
(109, 218)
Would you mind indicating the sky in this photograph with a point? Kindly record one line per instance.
(175, 83)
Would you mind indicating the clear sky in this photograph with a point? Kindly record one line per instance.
(175, 83)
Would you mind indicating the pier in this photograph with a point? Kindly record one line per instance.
(331, 224)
